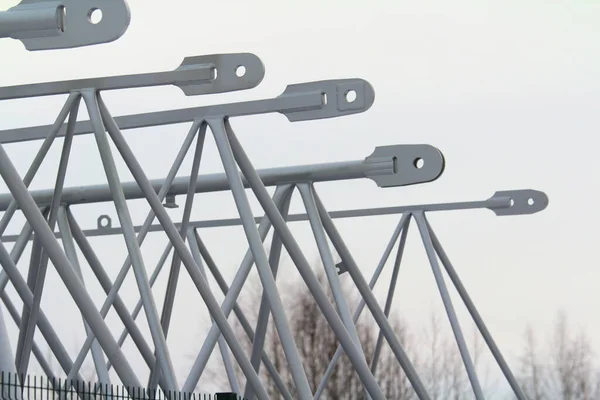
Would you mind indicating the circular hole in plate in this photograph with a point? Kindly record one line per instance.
(512, 202)
(350, 96)
(418, 163)
(240, 71)
(530, 201)
(95, 15)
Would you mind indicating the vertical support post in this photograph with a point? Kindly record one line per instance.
(390, 295)
(439, 278)
(139, 269)
(233, 382)
(167, 309)
(71, 252)
(293, 249)
(262, 321)
(487, 336)
(39, 266)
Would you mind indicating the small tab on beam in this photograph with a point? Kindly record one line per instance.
(338, 97)
(518, 202)
(64, 24)
(411, 164)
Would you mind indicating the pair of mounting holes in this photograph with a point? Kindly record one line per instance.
(94, 15)
(530, 201)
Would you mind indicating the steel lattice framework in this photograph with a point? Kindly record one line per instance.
(40, 24)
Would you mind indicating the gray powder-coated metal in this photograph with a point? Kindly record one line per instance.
(63, 24)
(45, 24)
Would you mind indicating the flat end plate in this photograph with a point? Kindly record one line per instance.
(410, 165)
(518, 202)
(231, 72)
(85, 22)
(337, 98)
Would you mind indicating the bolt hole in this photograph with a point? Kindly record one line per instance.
(418, 163)
(61, 18)
(95, 15)
(214, 72)
(350, 96)
(530, 201)
(240, 71)
(324, 99)
(512, 202)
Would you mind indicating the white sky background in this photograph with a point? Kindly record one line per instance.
(508, 91)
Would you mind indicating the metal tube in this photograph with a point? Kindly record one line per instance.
(39, 270)
(169, 300)
(230, 299)
(384, 258)
(233, 382)
(458, 334)
(41, 18)
(390, 295)
(62, 265)
(143, 231)
(304, 269)
(11, 204)
(262, 321)
(12, 310)
(148, 355)
(7, 363)
(487, 336)
(104, 280)
(260, 258)
(208, 183)
(371, 302)
(150, 310)
(27, 297)
(71, 252)
(17, 251)
(187, 259)
(210, 263)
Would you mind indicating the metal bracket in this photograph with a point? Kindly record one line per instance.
(63, 24)
(341, 268)
(170, 201)
(337, 98)
(411, 164)
(520, 202)
(215, 73)
(104, 222)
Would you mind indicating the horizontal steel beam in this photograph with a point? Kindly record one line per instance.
(503, 203)
(387, 166)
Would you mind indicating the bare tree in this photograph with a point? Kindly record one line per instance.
(566, 373)
(441, 367)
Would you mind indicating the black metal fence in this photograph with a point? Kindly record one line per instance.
(26, 387)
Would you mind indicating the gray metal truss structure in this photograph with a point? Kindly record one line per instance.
(56, 236)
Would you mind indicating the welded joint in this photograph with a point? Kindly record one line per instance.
(104, 222)
(403, 165)
(51, 24)
(517, 202)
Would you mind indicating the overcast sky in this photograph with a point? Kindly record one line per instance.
(508, 91)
